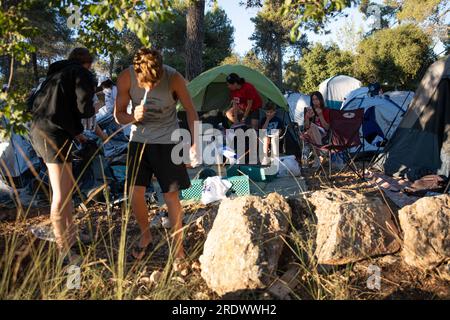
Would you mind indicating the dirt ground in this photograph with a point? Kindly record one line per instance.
(398, 280)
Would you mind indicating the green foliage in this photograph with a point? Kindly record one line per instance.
(293, 76)
(322, 62)
(102, 21)
(169, 37)
(219, 38)
(397, 57)
(306, 14)
(272, 38)
(15, 30)
(12, 107)
(417, 10)
(250, 60)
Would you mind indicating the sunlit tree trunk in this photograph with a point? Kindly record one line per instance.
(194, 38)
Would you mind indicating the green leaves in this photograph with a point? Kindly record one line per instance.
(13, 108)
(15, 31)
(395, 56)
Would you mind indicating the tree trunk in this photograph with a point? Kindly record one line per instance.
(194, 38)
(111, 65)
(11, 73)
(35, 67)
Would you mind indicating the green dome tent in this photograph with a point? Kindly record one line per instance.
(209, 90)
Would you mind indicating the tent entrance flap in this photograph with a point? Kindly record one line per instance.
(217, 96)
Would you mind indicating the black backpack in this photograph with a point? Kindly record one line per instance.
(32, 97)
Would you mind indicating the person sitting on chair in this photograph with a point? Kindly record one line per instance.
(317, 122)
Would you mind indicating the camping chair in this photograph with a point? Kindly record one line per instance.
(344, 129)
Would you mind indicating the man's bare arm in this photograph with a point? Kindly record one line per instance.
(123, 99)
(179, 87)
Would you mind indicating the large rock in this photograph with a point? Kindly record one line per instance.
(243, 247)
(352, 227)
(426, 228)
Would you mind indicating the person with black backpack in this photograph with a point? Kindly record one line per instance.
(57, 107)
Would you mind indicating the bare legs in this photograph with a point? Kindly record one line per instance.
(176, 219)
(141, 214)
(232, 114)
(62, 183)
(316, 136)
(175, 216)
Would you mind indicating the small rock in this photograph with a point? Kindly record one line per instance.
(444, 271)
(184, 272)
(201, 296)
(389, 259)
(144, 280)
(179, 279)
(155, 277)
(196, 266)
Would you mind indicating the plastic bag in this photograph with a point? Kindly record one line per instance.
(288, 166)
(214, 189)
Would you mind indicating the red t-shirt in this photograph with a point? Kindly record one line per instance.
(326, 117)
(245, 93)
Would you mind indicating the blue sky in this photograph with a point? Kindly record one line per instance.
(240, 18)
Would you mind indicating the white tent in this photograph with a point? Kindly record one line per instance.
(401, 98)
(336, 88)
(16, 156)
(297, 104)
(382, 116)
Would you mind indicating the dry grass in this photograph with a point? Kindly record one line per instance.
(29, 268)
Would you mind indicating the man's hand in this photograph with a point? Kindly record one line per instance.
(193, 157)
(139, 113)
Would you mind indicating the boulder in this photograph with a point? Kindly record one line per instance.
(426, 228)
(242, 249)
(352, 227)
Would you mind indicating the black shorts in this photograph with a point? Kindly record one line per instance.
(53, 146)
(146, 160)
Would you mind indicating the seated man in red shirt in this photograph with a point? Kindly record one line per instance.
(245, 101)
